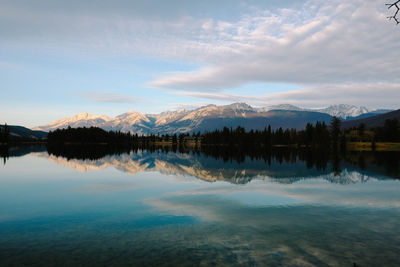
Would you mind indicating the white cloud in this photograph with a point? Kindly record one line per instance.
(341, 52)
(186, 106)
(325, 42)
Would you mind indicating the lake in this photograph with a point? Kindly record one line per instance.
(85, 207)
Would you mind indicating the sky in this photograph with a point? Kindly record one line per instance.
(60, 58)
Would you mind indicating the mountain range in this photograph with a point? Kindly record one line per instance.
(211, 117)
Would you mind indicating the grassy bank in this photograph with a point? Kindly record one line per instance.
(367, 146)
(170, 143)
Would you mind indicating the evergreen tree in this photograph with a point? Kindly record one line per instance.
(174, 139)
(4, 133)
(181, 138)
(335, 131)
(361, 131)
(309, 134)
(391, 130)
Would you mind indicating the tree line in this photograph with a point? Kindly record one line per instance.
(4, 133)
(318, 135)
(95, 135)
(92, 135)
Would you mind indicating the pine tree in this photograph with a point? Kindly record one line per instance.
(6, 133)
(361, 130)
(335, 131)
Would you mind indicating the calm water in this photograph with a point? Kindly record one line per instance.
(155, 208)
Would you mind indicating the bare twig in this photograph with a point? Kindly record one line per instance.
(394, 17)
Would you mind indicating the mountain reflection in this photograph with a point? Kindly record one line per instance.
(280, 165)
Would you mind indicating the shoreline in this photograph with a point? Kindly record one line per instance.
(350, 146)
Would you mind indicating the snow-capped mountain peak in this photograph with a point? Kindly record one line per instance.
(87, 116)
(232, 110)
(279, 107)
(80, 120)
(132, 115)
(344, 110)
(239, 106)
(168, 116)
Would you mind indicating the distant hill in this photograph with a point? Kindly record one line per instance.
(258, 121)
(374, 121)
(369, 114)
(18, 132)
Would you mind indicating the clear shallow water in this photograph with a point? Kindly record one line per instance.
(190, 209)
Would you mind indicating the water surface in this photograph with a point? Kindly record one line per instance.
(197, 209)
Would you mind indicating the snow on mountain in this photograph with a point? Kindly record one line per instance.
(279, 107)
(191, 120)
(168, 116)
(132, 121)
(232, 110)
(239, 107)
(343, 111)
(201, 112)
(130, 118)
(79, 120)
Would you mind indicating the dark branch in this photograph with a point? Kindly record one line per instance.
(394, 17)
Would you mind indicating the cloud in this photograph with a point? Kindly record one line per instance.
(197, 202)
(321, 45)
(332, 42)
(106, 188)
(108, 97)
(186, 106)
(363, 94)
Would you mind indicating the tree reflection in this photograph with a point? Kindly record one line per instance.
(4, 153)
